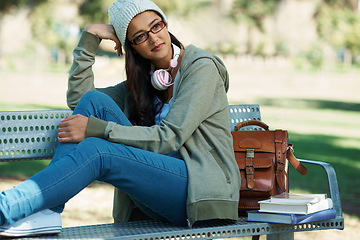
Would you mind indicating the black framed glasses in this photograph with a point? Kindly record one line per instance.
(139, 39)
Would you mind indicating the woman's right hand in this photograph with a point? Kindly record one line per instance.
(106, 31)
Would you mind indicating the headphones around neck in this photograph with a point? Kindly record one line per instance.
(161, 79)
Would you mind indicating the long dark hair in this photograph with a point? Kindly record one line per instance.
(142, 92)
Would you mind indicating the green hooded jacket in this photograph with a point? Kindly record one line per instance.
(197, 126)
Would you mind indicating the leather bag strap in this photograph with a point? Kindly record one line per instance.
(249, 168)
(251, 122)
(294, 162)
(280, 159)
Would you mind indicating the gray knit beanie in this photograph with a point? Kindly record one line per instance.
(121, 12)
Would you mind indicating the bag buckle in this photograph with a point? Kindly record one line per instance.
(291, 148)
(250, 153)
(249, 168)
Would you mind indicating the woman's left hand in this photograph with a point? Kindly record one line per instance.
(72, 128)
(106, 31)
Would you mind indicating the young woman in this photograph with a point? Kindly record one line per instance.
(162, 137)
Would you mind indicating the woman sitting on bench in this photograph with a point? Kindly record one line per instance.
(161, 137)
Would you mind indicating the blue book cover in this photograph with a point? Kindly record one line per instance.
(287, 218)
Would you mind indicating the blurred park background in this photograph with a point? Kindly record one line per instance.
(298, 59)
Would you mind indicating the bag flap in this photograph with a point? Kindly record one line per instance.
(249, 143)
(258, 162)
(260, 141)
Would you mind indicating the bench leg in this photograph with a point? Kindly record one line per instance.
(281, 236)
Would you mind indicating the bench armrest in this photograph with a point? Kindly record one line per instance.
(332, 182)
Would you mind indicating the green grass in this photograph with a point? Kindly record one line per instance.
(344, 160)
(22, 170)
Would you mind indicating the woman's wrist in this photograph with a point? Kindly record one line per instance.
(89, 41)
(93, 29)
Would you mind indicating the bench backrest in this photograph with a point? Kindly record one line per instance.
(29, 135)
(241, 113)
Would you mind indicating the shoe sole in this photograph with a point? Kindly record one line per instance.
(32, 232)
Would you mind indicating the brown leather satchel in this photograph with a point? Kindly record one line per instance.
(263, 158)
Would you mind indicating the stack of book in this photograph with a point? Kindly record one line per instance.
(292, 208)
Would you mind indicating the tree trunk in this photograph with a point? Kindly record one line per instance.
(347, 58)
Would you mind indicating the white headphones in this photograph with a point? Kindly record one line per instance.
(161, 79)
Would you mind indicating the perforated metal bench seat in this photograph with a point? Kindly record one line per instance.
(152, 230)
(30, 135)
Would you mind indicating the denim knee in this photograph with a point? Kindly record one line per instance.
(102, 106)
(94, 95)
(88, 153)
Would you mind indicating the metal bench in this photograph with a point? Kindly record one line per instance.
(30, 135)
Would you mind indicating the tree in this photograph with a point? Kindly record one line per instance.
(182, 7)
(339, 26)
(252, 13)
(95, 10)
(6, 5)
(57, 32)
(351, 4)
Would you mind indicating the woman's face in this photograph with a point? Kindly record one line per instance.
(157, 48)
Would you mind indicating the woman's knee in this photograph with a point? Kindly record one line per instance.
(102, 106)
(93, 102)
(94, 95)
(98, 155)
(89, 152)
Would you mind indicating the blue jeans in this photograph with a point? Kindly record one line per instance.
(156, 183)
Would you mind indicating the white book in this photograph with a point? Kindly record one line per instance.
(295, 207)
(289, 198)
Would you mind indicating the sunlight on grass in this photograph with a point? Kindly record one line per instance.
(345, 143)
(310, 121)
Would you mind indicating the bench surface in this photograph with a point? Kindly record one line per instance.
(30, 135)
(142, 230)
